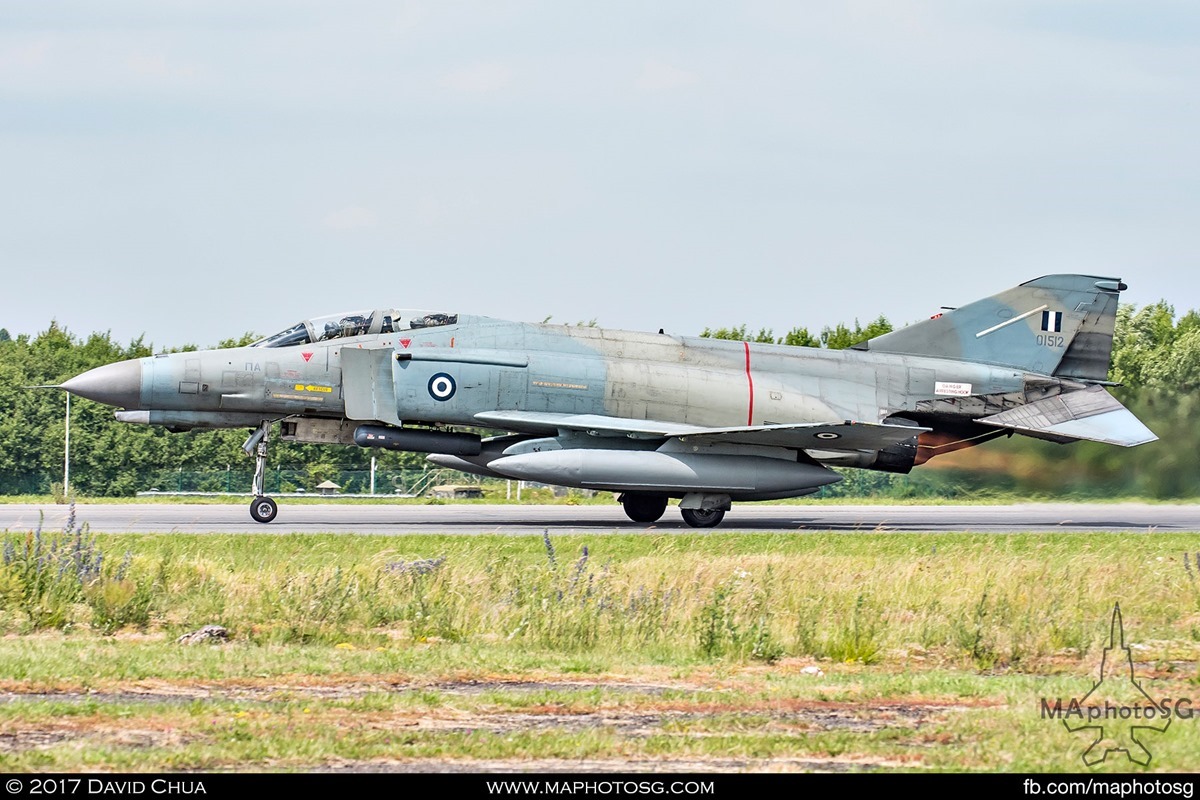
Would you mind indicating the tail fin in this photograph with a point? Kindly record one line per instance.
(1056, 325)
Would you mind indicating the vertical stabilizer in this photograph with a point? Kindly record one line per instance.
(1055, 325)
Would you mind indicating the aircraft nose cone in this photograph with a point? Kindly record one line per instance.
(117, 384)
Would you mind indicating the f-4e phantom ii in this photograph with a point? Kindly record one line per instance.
(651, 416)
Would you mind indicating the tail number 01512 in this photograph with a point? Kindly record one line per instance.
(1051, 340)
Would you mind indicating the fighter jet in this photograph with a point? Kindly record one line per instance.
(651, 416)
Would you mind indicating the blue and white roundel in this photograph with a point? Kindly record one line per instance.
(442, 387)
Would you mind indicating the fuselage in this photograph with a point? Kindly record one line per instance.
(579, 370)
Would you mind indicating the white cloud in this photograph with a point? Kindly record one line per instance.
(659, 77)
(478, 78)
(350, 218)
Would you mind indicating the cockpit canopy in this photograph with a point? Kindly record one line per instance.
(339, 326)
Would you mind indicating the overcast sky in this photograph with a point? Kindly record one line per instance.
(193, 170)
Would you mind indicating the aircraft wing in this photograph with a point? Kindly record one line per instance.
(1091, 413)
(846, 435)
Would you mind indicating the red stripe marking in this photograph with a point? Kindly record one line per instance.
(750, 383)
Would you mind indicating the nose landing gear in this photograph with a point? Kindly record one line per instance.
(263, 508)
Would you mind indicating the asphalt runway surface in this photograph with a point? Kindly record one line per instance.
(468, 519)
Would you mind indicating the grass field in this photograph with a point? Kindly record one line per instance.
(640, 651)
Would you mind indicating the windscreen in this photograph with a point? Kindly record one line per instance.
(361, 323)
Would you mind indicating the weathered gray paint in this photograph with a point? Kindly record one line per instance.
(584, 398)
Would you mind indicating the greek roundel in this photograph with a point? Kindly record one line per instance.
(442, 387)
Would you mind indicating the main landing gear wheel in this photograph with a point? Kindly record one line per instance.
(700, 518)
(263, 509)
(644, 507)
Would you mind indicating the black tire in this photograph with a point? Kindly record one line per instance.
(644, 507)
(698, 518)
(263, 509)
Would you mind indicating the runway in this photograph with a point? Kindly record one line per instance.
(466, 519)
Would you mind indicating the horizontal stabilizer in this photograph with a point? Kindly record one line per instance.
(846, 435)
(1091, 414)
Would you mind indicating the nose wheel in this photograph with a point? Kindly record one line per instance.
(263, 509)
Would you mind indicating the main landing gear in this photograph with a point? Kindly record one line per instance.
(703, 517)
(648, 507)
(641, 507)
(263, 508)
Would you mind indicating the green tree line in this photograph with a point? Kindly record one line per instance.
(839, 337)
(1156, 356)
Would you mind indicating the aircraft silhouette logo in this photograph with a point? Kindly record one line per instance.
(1118, 712)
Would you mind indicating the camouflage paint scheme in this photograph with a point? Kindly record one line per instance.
(656, 415)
